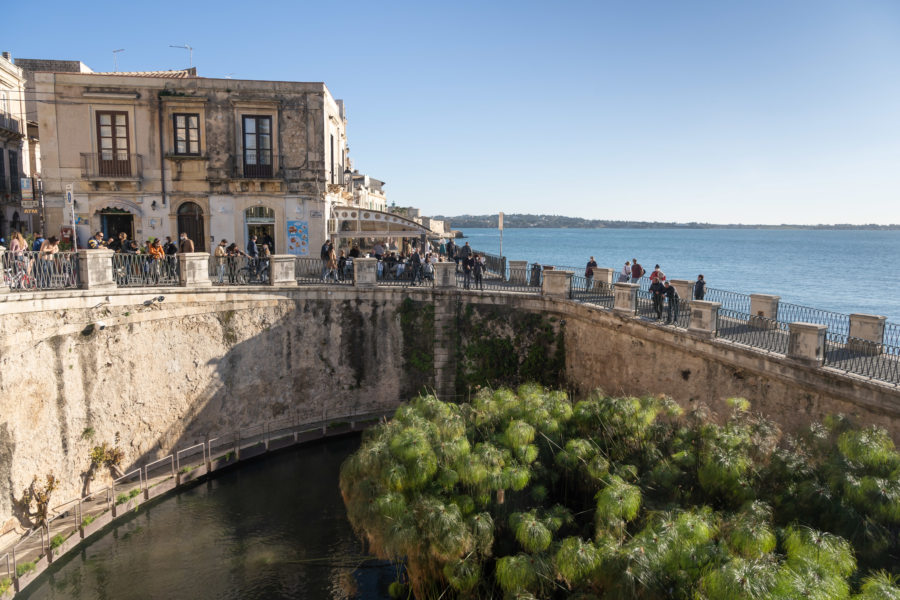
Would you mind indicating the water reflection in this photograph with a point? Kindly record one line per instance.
(273, 529)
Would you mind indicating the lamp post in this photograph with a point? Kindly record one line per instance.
(116, 58)
(348, 181)
(190, 50)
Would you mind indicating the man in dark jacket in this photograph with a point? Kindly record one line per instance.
(672, 306)
(657, 291)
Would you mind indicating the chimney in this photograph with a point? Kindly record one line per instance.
(7, 56)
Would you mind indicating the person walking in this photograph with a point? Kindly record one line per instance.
(331, 265)
(671, 302)
(657, 291)
(625, 273)
(699, 288)
(589, 274)
(637, 271)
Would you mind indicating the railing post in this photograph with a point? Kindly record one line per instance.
(557, 283)
(765, 306)
(282, 271)
(193, 269)
(685, 289)
(704, 318)
(603, 279)
(364, 272)
(625, 301)
(866, 333)
(95, 269)
(807, 343)
(445, 275)
(518, 272)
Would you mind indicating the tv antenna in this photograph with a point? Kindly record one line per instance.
(190, 49)
(116, 58)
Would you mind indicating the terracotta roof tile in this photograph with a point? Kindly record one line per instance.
(179, 74)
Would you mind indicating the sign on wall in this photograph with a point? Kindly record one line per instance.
(298, 238)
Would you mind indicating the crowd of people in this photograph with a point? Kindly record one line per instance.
(662, 292)
(35, 264)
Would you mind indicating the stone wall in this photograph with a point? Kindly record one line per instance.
(81, 368)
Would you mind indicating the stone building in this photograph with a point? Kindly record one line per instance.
(157, 153)
(15, 147)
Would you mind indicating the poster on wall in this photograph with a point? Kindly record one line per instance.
(298, 238)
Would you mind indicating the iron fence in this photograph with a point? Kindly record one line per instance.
(590, 291)
(493, 263)
(30, 271)
(749, 330)
(111, 165)
(864, 357)
(402, 273)
(891, 339)
(838, 324)
(732, 301)
(309, 271)
(239, 269)
(143, 270)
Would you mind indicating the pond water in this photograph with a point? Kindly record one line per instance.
(271, 529)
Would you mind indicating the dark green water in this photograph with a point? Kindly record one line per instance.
(267, 530)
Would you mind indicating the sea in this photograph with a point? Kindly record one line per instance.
(846, 271)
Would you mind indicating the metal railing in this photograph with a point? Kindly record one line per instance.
(115, 165)
(403, 273)
(143, 270)
(259, 171)
(757, 332)
(310, 271)
(864, 357)
(28, 271)
(591, 291)
(10, 122)
(493, 263)
(239, 270)
(733, 301)
(838, 324)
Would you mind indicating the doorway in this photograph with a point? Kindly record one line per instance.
(260, 222)
(190, 221)
(114, 221)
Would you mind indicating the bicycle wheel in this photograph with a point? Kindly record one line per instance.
(242, 276)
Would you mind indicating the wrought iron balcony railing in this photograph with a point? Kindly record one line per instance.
(111, 165)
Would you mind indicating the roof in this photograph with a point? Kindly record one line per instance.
(179, 74)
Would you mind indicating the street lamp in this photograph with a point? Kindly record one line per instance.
(348, 180)
(116, 58)
(188, 48)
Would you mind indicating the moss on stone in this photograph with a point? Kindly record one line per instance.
(417, 328)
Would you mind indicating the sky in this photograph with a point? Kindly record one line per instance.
(763, 111)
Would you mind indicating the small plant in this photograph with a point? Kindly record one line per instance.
(36, 499)
(123, 497)
(56, 541)
(88, 434)
(88, 520)
(5, 583)
(188, 469)
(25, 567)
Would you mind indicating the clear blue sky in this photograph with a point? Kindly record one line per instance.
(764, 111)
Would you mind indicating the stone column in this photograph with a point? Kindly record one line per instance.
(445, 275)
(685, 289)
(807, 343)
(625, 302)
(603, 279)
(704, 318)
(95, 269)
(866, 333)
(4, 288)
(281, 270)
(518, 272)
(364, 272)
(556, 283)
(193, 269)
(763, 311)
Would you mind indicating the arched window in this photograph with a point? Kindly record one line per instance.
(259, 214)
(190, 221)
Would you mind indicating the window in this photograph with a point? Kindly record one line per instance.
(4, 102)
(187, 133)
(2, 172)
(112, 141)
(257, 146)
(14, 171)
(332, 159)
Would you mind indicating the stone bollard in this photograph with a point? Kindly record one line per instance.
(603, 279)
(625, 302)
(556, 283)
(365, 272)
(95, 269)
(763, 311)
(282, 270)
(193, 269)
(866, 334)
(4, 287)
(704, 318)
(685, 289)
(518, 272)
(445, 275)
(807, 343)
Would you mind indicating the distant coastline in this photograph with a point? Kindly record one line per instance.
(520, 221)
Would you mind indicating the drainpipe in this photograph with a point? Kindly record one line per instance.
(162, 153)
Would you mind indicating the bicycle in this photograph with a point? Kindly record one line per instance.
(18, 279)
(252, 274)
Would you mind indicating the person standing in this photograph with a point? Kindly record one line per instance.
(331, 264)
(478, 271)
(589, 274)
(171, 250)
(672, 302)
(185, 245)
(221, 258)
(657, 275)
(468, 264)
(699, 288)
(462, 254)
(324, 254)
(637, 271)
(625, 273)
(657, 291)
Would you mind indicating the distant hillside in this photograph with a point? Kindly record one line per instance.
(518, 221)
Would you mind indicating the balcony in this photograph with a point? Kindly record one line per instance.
(10, 126)
(258, 171)
(112, 170)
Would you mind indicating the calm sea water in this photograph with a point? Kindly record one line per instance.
(843, 271)
(271, 529)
